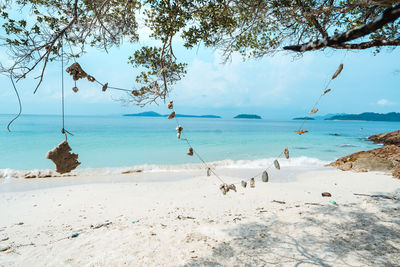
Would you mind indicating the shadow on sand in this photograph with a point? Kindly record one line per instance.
(348, 235)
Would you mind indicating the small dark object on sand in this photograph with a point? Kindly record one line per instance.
(326, 194)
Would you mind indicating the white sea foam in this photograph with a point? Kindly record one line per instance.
(223, 164)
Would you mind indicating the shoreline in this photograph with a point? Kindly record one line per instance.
(189, 222)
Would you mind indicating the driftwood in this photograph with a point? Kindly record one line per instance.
(278, 201)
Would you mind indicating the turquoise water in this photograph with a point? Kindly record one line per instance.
(117, 141)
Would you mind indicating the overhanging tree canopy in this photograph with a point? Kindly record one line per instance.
(254, 28)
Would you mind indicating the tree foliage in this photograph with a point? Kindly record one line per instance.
(34, 31)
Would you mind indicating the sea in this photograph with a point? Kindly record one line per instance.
(118, 141)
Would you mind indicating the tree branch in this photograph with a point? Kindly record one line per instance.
(365, 45)
(388, 16)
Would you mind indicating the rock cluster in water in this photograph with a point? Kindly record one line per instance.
(386, 158)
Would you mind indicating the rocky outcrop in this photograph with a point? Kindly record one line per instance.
(385, 158)
(392, 138)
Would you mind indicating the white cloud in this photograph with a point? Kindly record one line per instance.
(384, 102)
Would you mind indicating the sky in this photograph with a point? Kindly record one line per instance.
(278, 87)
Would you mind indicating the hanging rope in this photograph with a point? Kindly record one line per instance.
(314, 108)
(194, 150)
(19, 102)
(63, 130)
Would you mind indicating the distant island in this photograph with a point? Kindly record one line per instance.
(247, 116)
(367, 116)
(304, 118)
(155, 114)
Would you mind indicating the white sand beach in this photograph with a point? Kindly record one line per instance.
(182, 219)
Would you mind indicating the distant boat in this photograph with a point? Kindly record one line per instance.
(247, 116)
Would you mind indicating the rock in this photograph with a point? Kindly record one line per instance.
(346, 166)
(396, 172)
(385, 158)
(391, 138)
(326, 194)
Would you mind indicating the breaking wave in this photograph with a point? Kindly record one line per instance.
(305, 162)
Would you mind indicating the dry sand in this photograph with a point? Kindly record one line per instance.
(161, 219)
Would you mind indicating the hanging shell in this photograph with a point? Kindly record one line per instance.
(244, 184)
(75, 89)
(339, 70)
(313, 111)
(105, 86)
(91, 78)
(208, 172)
(172, 115)
(252, 183)
(326, 91)
(171, 105)
(277, 165)
(301, 132)
(190, 152)
(264, 177)
(286, 152)
(224, 188)
(232, 187)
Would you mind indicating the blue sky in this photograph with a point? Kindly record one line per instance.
(278, 87)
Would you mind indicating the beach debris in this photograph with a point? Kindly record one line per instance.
(76, 71)
(75, 235)
(104, 88)
(313, 111)
(100, 225)
(172, 115)
(133, 221)
(326, 91)
(277, 165)
(225, 188)
(171, 105)
(30, 174)
(264, 177)
(20, 223)
(244, 184)
(278, 201)
(208, 172)
(333, 202)
(301, 132)
(179, 129)
(252, 183)
(135, 93)
(4, 239)
(75, 89)
(190, 152)
(326, 194)
(4, 248)
(286, 152)
(62, 158)
(338, 71)
(180, 217)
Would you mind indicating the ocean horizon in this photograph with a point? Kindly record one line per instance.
(119, 141)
